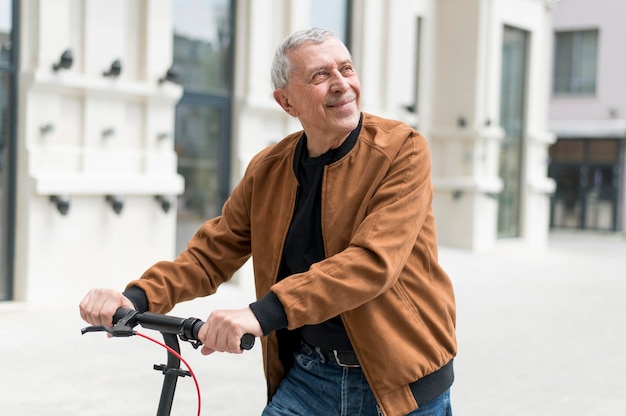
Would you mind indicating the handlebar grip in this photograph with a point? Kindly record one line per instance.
(120, 313)
(247, 342)
(192, 327)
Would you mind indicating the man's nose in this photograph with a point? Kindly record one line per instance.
(339, 82)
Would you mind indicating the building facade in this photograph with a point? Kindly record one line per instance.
(588, 115)
(131, 120)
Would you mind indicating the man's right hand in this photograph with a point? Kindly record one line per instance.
(99, 305)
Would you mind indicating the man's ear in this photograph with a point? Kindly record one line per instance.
(281, 98)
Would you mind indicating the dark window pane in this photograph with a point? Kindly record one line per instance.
(202, 56)
(6, 89)
(600, 198)
(4, 110)
(603, 151)
(575, 62)
(585, 81)
(197, 143)
(331, 15)
(563, 62)
(202, 44)
(567, 203)
(5, 31)
(567, 151)
(512, 119)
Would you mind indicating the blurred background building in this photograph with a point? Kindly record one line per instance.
(124, 124)
(588, 115)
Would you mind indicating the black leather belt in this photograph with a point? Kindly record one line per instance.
(342, 358)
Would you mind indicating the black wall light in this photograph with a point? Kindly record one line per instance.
(457, 193)
(116, 202)
(65, 61)
(171, 75)
(108, 132)
(46, 128)
(114, 70)
(62, 203)
(165, 202)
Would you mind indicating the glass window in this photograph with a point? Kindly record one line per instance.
(512, 119)
(587, 183)
(5, 31)
(202, 44)
(567, 202)
(5, 84)
(5, 88)
(576, 56)
(604, 151)
(334, 16)
(569, 150)
(202, 56)
(197, 142)
(7, 133)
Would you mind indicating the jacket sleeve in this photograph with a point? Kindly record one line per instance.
(218, 249)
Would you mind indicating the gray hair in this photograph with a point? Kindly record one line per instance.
(281, 66)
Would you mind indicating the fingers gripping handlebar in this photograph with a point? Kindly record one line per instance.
(187, 329)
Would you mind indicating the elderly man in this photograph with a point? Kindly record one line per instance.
(355, 314)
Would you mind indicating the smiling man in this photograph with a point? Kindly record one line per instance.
(322, 91)
(355, 314)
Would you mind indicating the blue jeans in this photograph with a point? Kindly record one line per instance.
(316, 387)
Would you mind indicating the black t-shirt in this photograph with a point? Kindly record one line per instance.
(304, 245)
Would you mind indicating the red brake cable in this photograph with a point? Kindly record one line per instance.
(177, 355)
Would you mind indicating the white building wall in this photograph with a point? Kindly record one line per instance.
(385, 45)
(83, 136)
(464, 147)
(466, 133)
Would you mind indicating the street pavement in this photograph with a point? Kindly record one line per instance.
(540, 333)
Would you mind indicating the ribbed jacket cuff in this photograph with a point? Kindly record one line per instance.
(270, 313)
(138, 297)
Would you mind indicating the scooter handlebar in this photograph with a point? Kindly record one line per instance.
(186, 328)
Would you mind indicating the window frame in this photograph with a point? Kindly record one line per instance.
(222, 101)
(574, 83)
(8, 178)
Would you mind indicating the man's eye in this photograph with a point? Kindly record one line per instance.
(320, 76)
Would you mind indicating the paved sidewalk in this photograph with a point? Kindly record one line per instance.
(539, 334)
(542, 333)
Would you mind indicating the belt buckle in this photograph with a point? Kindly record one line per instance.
(335, 353)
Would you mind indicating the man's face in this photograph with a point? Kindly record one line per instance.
(323, 89)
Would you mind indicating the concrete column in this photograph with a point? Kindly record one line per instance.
(463, 137)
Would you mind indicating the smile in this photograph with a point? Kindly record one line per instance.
(342, 102)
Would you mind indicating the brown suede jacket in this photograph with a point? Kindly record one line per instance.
(381, 273)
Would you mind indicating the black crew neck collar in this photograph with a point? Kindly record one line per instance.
(338, 153)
